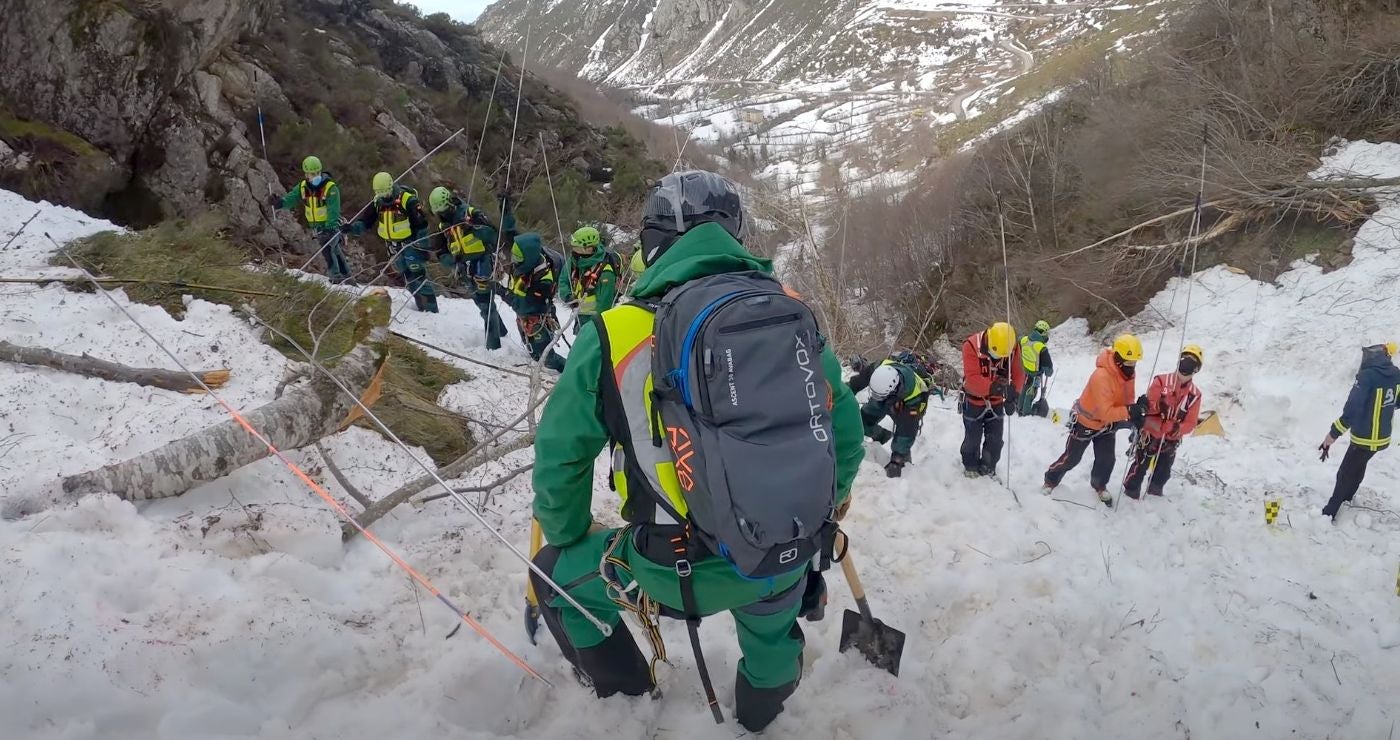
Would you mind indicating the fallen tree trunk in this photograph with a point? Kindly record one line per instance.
(295, 420)
(171, 380)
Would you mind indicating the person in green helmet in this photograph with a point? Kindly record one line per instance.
(533, 285)
(692, 226)
(1035, 357)
(398, 217)
(319, 198)
(592, 283)
(467, 243)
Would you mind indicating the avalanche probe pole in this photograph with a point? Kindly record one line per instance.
(1010, 370)
(262, 134)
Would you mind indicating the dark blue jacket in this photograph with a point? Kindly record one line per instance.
(1371, 405)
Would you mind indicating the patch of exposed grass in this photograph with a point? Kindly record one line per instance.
(198, 253)
(14, 129)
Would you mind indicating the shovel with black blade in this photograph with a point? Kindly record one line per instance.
(878, 642)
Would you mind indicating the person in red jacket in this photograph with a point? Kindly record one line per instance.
(1173, 408)
(1105, 407)
(993, 376)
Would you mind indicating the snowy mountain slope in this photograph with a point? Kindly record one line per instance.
(884, 84)
(1165, 618)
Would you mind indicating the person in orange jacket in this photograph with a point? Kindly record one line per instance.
(993, 376)
(1102, 409)
(1173, 409)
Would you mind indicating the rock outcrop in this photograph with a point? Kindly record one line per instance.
(140, 110)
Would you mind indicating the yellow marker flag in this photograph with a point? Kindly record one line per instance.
(1271, 510)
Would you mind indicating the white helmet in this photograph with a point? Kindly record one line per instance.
(884, 381)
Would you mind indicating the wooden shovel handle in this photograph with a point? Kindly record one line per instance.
(848, 566)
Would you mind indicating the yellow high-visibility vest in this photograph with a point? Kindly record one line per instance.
(394, 225)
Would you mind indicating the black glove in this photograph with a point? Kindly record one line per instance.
(1002, 388)
(274, 200)
(1325, 452)
(1012, 397)
(859, 364)
(1138, 412)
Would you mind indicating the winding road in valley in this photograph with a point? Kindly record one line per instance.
(958, 105)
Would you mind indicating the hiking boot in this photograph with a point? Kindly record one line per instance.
(615, 666)
(972, 473)
(1047, 489)
(1104, 496)
(1134, 495)
(755, 708)
(1154, 491)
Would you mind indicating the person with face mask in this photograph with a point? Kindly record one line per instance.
(319, 198)
(1106, 406)
(592, 280)
(1173, 409)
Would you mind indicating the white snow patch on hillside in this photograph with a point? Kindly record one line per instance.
(1169, 616)
(1010, 122)
(620, 74)
(597, 65)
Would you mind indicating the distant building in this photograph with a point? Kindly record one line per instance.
(751, 116)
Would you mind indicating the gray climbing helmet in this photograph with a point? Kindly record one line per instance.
(681, 201)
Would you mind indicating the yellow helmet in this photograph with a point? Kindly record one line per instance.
(1128, 348)
(1195, 351)
(383, 185)
(1001, 338)
(1390, 348)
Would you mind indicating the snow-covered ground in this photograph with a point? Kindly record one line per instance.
(1169, 618)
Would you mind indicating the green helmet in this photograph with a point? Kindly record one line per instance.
(311, 165)
(586, 238)
(440, 200)
(383, 185)
(1042, 326)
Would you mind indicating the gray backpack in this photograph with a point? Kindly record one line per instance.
(744, 401)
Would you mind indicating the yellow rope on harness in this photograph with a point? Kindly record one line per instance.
(646, 610)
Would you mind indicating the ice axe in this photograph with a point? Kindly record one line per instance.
(532, 603)
(878, 642)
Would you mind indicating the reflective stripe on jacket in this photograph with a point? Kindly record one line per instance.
(314, 202)
(394, 224)
(981, 371)
(1370, 406)
(1173, 408)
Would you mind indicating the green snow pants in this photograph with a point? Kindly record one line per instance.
(764, 611)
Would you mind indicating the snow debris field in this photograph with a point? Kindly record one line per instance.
(234, 611)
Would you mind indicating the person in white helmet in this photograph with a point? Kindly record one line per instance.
(899, 392)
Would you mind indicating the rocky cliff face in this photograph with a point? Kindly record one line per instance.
(140, 110)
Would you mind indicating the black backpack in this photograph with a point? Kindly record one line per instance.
(745, 403)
